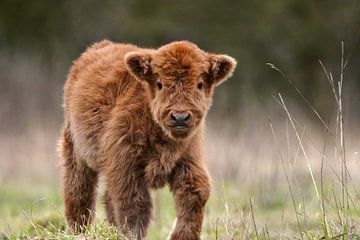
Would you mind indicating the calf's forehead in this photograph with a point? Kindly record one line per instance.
(181, 61)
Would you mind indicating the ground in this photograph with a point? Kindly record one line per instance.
(233, 212)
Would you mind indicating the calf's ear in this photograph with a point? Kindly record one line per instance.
(138, 64)
(221, 68)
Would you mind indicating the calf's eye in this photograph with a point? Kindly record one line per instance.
(159, 85)
(200, 85)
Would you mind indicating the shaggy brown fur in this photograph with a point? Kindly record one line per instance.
(136, 117)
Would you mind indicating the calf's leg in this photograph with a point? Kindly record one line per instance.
(131, 201)
(79, 186)
(109, 208)
(190, 186)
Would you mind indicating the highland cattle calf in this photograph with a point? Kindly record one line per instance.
(136, 117)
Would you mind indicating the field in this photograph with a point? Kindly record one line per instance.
(278, 173)
(254, 203)
(263, 210)
(282, 136)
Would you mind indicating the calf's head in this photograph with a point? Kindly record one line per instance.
(180, 79)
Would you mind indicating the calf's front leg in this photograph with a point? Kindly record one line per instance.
(190, 186)
(128, 200)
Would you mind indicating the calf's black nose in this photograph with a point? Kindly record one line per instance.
(180, 117)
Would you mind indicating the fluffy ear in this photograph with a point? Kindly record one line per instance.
(221, 68)
(138, 64)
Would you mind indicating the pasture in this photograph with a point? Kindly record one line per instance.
(282, 136)
(279, 176)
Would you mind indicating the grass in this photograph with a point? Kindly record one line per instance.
(229, 215)
(305, 186)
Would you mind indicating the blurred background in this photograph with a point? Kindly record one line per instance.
(39, 40)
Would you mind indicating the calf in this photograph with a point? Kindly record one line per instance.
(136, 117)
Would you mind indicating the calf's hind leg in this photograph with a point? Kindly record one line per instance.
(79, 185)
(109, 208)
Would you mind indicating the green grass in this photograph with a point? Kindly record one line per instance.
(40, 215)
(25, 214)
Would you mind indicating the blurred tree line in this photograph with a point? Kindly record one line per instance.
(292, 34)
